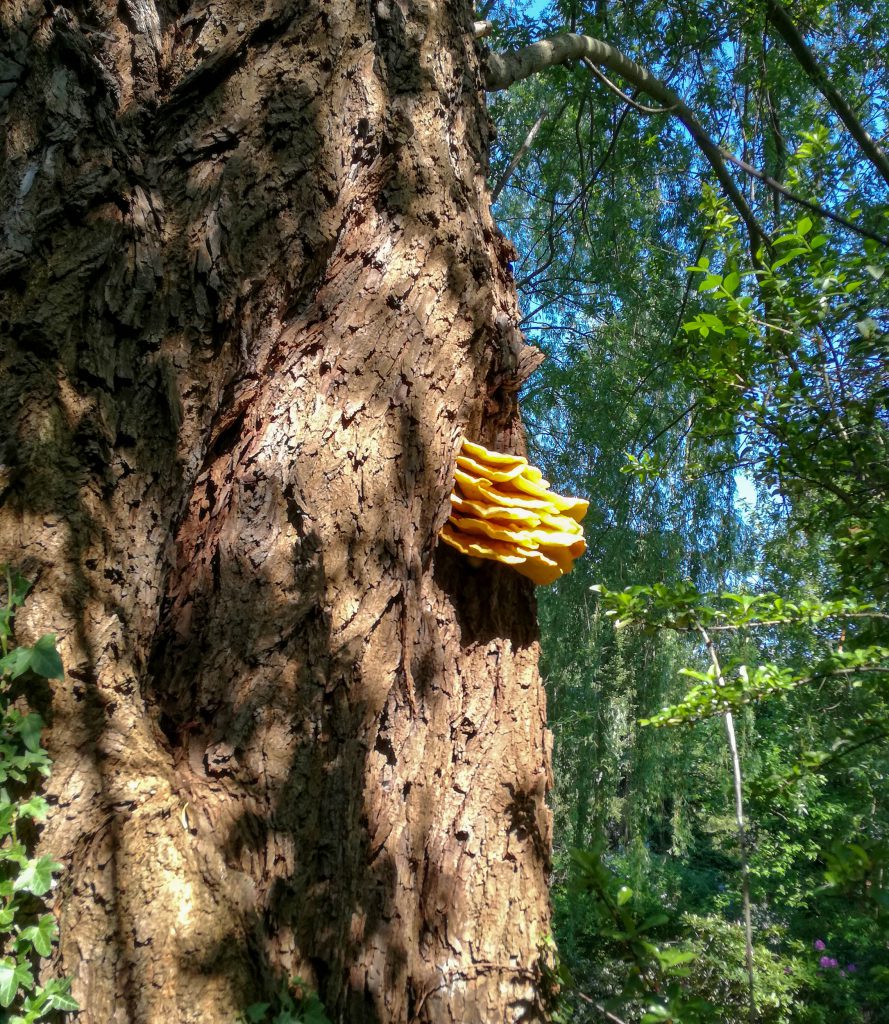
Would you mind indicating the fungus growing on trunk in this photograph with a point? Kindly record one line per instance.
(503, 510)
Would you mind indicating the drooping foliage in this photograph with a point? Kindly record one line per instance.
(720, 395)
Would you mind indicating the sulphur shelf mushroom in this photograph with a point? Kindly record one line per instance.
(502, 509)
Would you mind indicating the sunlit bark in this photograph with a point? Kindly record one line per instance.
(252, 298)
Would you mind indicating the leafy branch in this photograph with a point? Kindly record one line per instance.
(655, 971)
(684, 608)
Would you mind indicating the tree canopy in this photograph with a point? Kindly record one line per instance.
(701, 212)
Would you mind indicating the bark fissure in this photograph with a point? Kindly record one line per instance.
(296, 736)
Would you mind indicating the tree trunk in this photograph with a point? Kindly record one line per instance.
(252, 297)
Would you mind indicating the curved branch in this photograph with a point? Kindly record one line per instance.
(503, 69)
(591, 67)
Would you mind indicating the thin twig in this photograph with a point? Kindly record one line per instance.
(809, 204)
(607, 1014)
(619, 92)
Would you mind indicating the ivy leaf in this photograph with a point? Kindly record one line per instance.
(42, 659)
(59, 992)
(16, 662)
(42, 934)
(45, 660)
(8, 982)
(13, 976)
(36, 878)
(33, 1008)
(29, 728)
(312, 1011)
(35, 808)
(20, 588)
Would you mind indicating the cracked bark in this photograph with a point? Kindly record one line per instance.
(252, 297)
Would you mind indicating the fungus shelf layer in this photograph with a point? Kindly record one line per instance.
(503, 510)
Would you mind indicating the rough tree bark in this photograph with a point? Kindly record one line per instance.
(250, 298)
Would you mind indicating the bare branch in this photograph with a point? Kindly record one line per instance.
(619, 92)
(519, 155)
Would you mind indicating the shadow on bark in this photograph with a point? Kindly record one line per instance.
(172, 291)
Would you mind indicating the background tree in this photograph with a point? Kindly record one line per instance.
(805, 423)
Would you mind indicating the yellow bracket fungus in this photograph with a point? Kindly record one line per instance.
(502, 509)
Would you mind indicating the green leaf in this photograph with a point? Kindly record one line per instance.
(804, 226)
(36, 809)
(29, 728)
(8, 982)
(787, 257)
(41, 935)
(624, 895)
(45, 660)
(312, 1011)
(654, 921)
(731, 282)
(20, 588)
(42, 659)
(16, 662)
(675, 957)
(13, 976)
(60, 998)
(655, 1012)
(37, 878)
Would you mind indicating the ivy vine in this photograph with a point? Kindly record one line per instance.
(27, 930)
